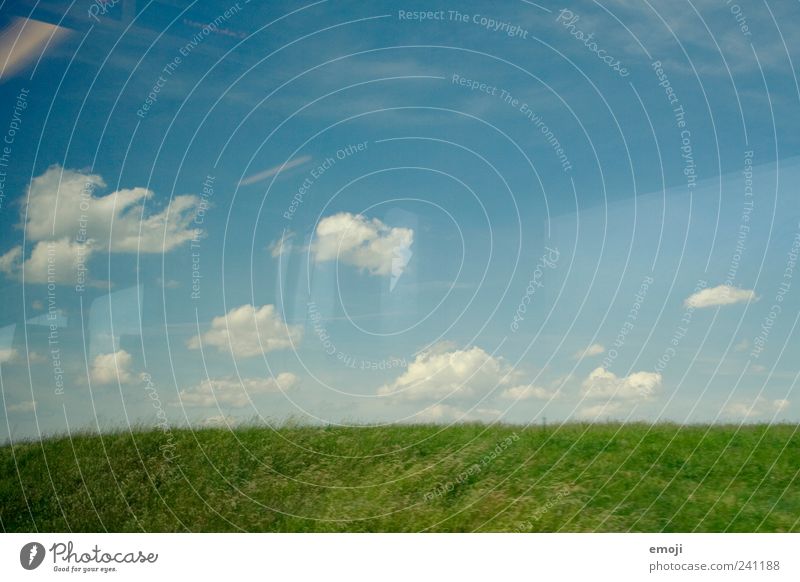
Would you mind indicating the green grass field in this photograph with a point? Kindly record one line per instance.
(577, 477)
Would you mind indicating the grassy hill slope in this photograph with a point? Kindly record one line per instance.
(576, 477)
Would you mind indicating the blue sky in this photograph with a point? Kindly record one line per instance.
(344, 212)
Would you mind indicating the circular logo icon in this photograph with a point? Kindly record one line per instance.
(31, 555)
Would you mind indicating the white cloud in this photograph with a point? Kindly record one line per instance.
(604, 384)
(8, 355)
(36, 358)
(602, 410)
(592, 350)
(524, 392)
(742, 346)
(59, 198)
(107, 368)
(719, 295)
(233, 392)
(24, 406)
(10, 261)
(619, 395)
(370, 245)
(55, 261)
(780, 405)
(758, 407)
(281, 246)
(249, 331)
(435, 375)
(66, 223)
(260, 176)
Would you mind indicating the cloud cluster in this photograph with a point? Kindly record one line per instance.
(108, 368)
(367, 244)
(758, 407)
(248, 331)
(282, 246)
(8, 355)
(67, 223)
(447, 383)
(234, 392)
(458, 373)
(604, 384)
(617, 394)
(719, 296)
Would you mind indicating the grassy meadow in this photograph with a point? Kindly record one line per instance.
(470, 477)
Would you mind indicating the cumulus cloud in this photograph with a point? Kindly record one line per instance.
(24, 406)
(718, 296)
(602, 410)
(10, 261)
(59, 198)
(604, 384)
(367, 244)
(10, 355)
(67, 222)
(618, 394)
(281, 246)
(107, 368)
(459, 373)
(233, 391)
(248, 331)
(54, 261)
(524, 392)
(36, 358)
(592, 350)
(758, 407)
(780, 405)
